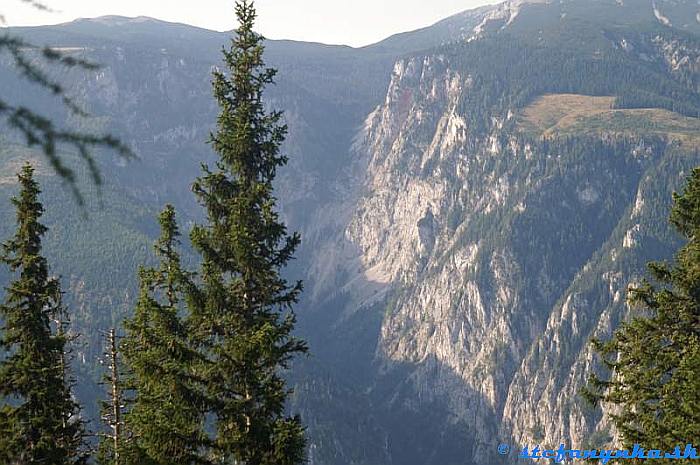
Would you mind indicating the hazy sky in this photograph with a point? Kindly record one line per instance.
(351, 22)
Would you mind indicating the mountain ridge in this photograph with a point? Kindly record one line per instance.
(456, 267)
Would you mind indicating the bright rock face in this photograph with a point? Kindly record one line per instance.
(443, 228)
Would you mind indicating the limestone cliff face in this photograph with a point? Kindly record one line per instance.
(394, 223)
(443, 323)
(473, 322)
(455, 332)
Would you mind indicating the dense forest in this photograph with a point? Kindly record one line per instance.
(196, 377)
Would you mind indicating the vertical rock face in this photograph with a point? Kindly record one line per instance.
(420, 153)
(498, 263)
(455, 308)
(394, 224)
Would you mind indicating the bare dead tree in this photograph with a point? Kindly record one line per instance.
(115, 403)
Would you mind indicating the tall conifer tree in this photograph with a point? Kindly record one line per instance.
(655, 358)
(165, 421)
(39, 421)
(243, 316)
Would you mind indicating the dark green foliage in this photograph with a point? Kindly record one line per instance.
(38, 419)
(242, 317)
(654, 357)
(164, 422)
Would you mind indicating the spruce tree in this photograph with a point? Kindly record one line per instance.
(655, 358)
(242, 317)
(39, 421)
(165, 421)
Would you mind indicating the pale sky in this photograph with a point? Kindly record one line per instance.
(350, 22)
